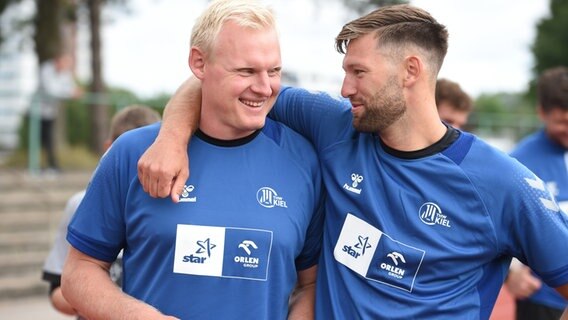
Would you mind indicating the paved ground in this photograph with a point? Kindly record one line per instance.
(30, 309)
(39, 308)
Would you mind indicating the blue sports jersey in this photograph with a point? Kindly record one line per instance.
(248, 219)
(421, 237)
(549, 161)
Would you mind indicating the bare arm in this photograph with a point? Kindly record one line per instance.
(521, 283)
(303, 298)
(563, 290)
(164, 168)
(87, 286)
(60, 304)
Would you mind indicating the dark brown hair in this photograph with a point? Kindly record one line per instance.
(399, 25)
(451, 92)
(552, 89)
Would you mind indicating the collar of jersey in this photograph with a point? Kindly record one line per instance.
(449, 137)
(226, 143)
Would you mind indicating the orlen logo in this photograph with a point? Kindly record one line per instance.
(268, 198)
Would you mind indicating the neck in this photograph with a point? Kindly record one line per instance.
(419, 128)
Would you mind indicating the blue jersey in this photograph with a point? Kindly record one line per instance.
(421, 235)
(549, 161)
(247, 221)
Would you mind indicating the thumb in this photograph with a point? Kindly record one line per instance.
(178, 184)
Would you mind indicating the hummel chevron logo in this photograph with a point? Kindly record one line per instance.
(538, 184)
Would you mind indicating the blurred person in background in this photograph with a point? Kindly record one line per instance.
(56, 83)
(129, 118)
(545, 152)
(454, 105)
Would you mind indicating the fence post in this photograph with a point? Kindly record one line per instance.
(34, 136)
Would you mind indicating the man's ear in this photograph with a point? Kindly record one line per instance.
(413, 69)
(197, 60)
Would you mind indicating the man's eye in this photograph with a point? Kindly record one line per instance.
(246, 72)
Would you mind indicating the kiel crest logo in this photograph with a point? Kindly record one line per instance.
(202, 253)
(356, 179)
(431, 214)
(268, 198)
(185, 194)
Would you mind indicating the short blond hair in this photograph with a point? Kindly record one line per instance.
(247, 13)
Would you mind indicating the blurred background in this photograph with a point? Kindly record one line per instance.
(135, 52)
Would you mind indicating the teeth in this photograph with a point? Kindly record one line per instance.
(252, 103)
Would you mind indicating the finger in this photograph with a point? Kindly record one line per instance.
(164, 185)
(151, 183)
(178, 184)
(177, 189)
(141, 178)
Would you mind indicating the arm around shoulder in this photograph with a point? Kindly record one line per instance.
(164, 167)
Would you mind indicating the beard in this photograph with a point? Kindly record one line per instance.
(383, 108)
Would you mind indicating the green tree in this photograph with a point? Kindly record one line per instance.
(50, 18)
(550, 48)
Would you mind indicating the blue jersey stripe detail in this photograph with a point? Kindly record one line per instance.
(459, 149)
(272, 130)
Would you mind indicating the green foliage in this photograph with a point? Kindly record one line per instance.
(550, 47)
(77, 113)
(504, 113)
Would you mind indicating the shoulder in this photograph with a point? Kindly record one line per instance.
(136, 140)
(531, 146)
(492, 168)
(285, 137)
(290, 142)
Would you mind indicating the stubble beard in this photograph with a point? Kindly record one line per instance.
(383, 109)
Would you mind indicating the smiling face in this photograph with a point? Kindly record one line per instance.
(372, 85)
(240, 80)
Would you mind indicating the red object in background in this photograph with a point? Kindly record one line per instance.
(504, 307)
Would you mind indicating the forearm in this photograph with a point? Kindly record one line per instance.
(164, 168)
(302, 300)
(302, 303)
(60, 304)
(89, 289)
(563, 290)
(182, 113)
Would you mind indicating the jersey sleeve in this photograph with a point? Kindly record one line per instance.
(53, 266)
(537, 228)
(319, 117)
(314, 238)
(98, 227)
